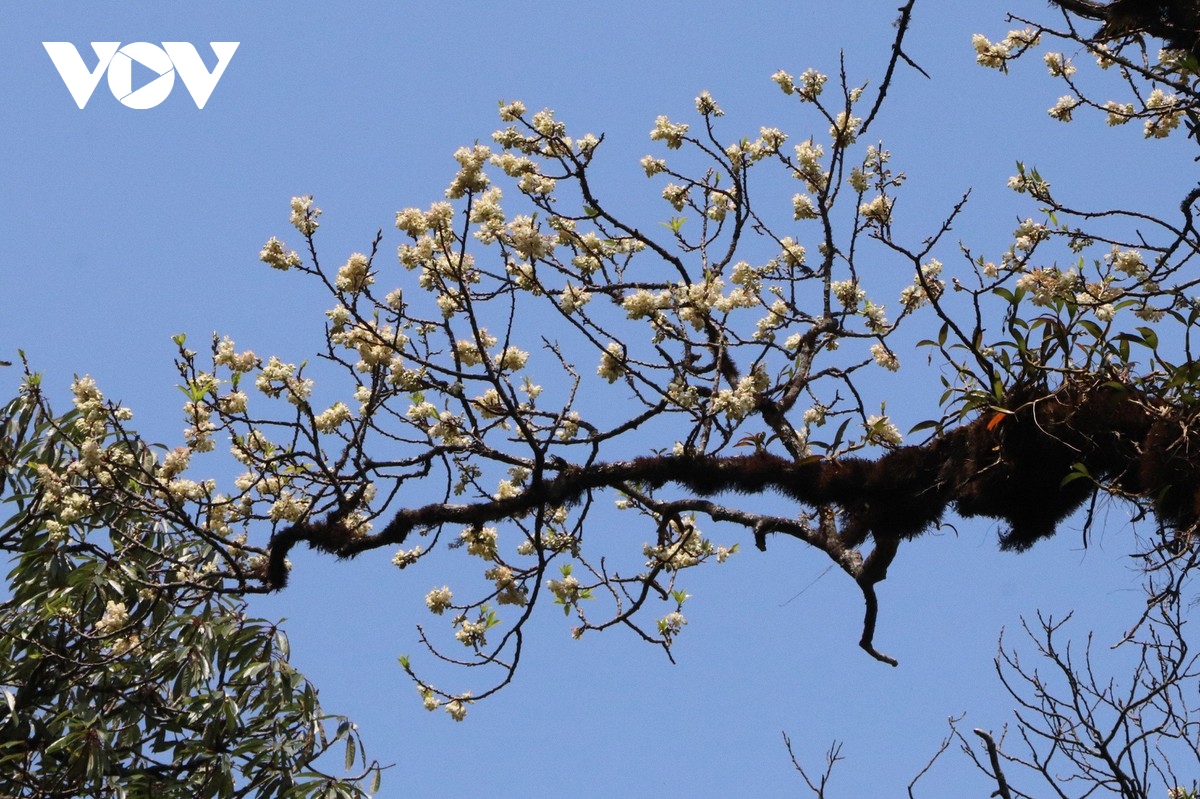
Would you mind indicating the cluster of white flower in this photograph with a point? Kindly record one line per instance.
(848, 293)
(653, 165)
(470, 177)
(925, 286)
(812, 83)
(705, 104)
(772, 140)
(1047, 285)
(402, 377)
(1059, 65)
(643, 304)
(449, 430)
(1029, 182)
(1168, 114)
(471, 633)
(525, 276)
(236, 362)
(737, 403)
(1128, 262)
(508, 590)
(568, 427)
(790, 255)
(785, 80)
(1099, 294)
(803, 208)
(694, 300)
(996, 55)
(58, 496)
(684, 396)
(175, 462)
(457, 708)
(768, 143)
(670, 132)
(524, 236)
(874, 314)
(545, 123)
(115, 617)
(450, 300)
(880, 430)
(844, 130)
(422, 412)
(411, 221)
(612, 362)
(567, 590)
(245, 449)
(1028, 234)
(354, 275)
(408, 557)
(339, 317)
(1148, 313)
(220, 513)
(277, 377)
(512, 139)
(490, 405)
(510, 359)
(877, 211)
(376, 345)
(720, 203)
(304, 215)
(530, 180)
(469, 353)
(275, 255)
(885, 357)
(551, 541)
(1062, 109)
(687, 550)
(778, 316)
(670, 625)
(1118, 113)
(507, 489)
(267, 485)
(480, 541)
(329, 420)
(181, 489)
(734, 403)
(511, 112)
(573, 298)
(591, 250)
(677, 196)
(488, 215)
(808, 166)
(93, 417)
(198, 435)
(289, 507)
(438, 600)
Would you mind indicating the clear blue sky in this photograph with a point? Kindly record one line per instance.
(123, 227)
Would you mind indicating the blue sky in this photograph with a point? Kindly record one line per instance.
(124, 227)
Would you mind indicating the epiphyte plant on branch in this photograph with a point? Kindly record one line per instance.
(540, 353)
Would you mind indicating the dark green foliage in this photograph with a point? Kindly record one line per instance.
(126, 667)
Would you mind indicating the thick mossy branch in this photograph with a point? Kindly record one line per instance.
(1176, 22)
(1029, 464)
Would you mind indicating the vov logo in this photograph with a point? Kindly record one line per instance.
(164, 61)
